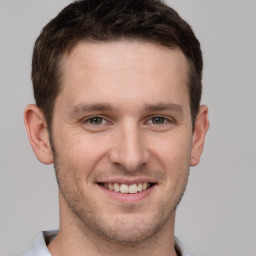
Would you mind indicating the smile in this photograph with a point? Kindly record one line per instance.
(127, 189)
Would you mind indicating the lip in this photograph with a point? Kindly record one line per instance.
(127, 198)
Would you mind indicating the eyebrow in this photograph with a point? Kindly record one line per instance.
(163, 107)
(82, 108)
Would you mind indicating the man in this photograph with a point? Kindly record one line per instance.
(117, 86)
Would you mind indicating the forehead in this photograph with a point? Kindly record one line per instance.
(123, 53)
(112, 71)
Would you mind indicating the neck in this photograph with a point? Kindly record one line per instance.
(75, 239)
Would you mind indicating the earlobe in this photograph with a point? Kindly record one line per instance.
(200, 130)
(37, 133)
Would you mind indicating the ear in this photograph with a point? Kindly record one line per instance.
(200, 130)
(38, 134)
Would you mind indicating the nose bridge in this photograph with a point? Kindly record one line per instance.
(130, 150)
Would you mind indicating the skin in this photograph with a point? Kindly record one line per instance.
(143, 131)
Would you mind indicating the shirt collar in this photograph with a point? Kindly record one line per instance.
(45, 237)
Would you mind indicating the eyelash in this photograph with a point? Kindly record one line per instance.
(89, 119)
(164, 119)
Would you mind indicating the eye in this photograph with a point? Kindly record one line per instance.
(96, 123)
(158, 120)
(96, 120)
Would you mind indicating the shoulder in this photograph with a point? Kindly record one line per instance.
(40, 246)
(181, 248)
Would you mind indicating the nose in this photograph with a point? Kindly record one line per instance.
(129, 150)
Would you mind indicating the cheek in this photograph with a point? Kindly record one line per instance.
(83, 151)
(174, 155)
(172, 150)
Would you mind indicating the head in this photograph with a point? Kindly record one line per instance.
(106, 21)
(117, 86)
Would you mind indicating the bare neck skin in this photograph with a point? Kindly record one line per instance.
(75, 239)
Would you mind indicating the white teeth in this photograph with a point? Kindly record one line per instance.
(111, 186)
(125, 189)
(116, 187)
(144, 186)
(133, 189)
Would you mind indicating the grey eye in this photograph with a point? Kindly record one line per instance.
(158, 120)
(96, 120)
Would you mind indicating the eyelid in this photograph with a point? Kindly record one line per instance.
(167, 118)
(87, 119)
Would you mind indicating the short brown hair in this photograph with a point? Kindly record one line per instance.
(110, 20)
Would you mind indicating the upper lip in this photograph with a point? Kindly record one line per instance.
(127, 181)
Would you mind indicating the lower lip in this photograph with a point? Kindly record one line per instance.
(127, 198)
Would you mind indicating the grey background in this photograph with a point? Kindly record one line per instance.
(217, 216)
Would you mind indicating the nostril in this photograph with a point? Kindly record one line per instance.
(130, 151)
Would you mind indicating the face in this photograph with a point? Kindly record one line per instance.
(122, 137)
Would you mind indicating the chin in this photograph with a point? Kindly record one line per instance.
(131, 229)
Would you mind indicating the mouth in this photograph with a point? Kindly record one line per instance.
(127, 188)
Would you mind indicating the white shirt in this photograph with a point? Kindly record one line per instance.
(45, 237)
